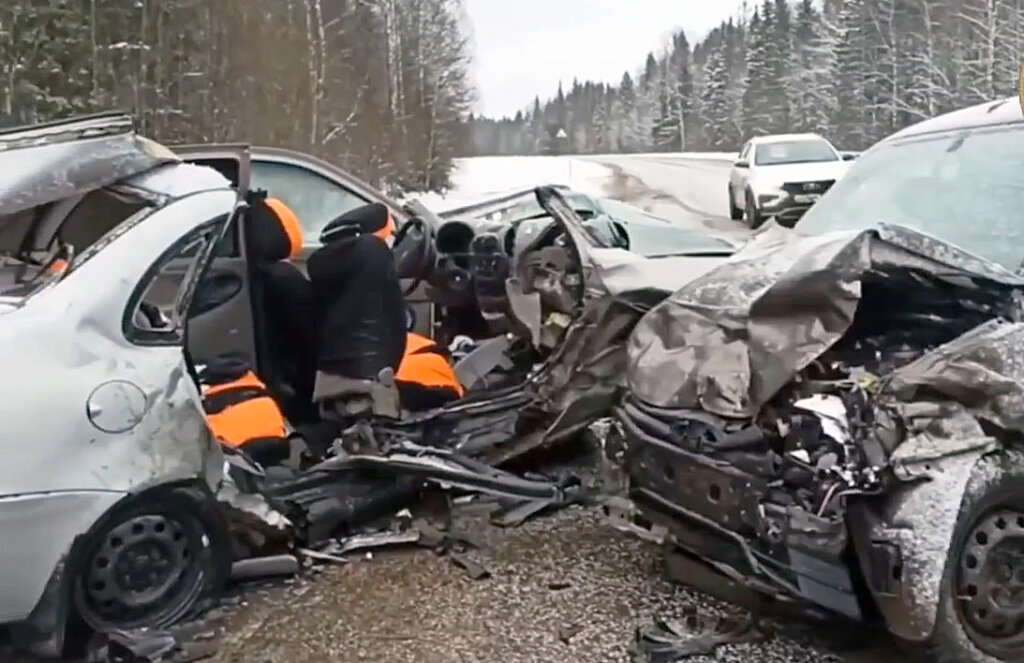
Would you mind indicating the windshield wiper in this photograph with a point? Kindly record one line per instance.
(699, 253)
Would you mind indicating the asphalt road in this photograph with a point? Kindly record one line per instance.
(686, 190)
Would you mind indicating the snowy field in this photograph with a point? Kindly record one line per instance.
(479, 178)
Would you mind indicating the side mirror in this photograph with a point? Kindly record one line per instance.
(742, 163)
(849, 156)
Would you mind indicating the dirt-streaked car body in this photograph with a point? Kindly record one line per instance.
(103, 426)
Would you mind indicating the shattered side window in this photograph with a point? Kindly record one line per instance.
(158, 310)
(97, 214)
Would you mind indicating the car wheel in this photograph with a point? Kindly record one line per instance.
(752, 215)
(981, 613)
(147, 564)
(735, 213)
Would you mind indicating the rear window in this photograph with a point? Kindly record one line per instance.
(34, 242)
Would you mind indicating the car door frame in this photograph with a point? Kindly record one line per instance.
(423, 310)
(216, 331)
(246, 155)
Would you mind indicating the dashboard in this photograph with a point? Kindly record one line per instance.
(475, 260)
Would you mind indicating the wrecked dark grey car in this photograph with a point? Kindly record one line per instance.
(835, 416)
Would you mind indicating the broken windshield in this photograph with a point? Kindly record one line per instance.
(962, 187)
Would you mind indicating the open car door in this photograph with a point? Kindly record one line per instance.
(221, 319)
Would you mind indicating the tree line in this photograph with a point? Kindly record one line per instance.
(378, 87)
(852, 70)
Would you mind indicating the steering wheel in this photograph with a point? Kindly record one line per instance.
(414, 252)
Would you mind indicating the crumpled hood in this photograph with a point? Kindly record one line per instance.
(728, 341)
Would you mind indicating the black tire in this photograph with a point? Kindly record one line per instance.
(150, 561)
(989, 532)
(751, 214)
(735, 213)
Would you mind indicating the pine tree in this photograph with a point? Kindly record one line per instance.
(850, 120)
(626, 118)
(599, 139)
(715, 108)
(808, 83)
(757, 111)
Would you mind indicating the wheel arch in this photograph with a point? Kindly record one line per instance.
(917, 523)
(43, 631)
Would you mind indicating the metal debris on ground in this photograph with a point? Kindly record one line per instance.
(668, 641)
(474, 569)
(567, 633)
(378, 540)
(515, 513)
(318, 556)
(139, 647)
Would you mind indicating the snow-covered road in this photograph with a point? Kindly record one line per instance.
(688, 189)
(691, 188)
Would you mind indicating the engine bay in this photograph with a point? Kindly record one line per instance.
(769, 496)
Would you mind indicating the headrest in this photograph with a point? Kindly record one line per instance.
(371, 219)
(277, 234)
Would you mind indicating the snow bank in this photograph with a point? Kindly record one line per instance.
(479, 178)
(704, 156)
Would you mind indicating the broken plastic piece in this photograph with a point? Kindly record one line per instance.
(265, 567)
(567, 633)
(140, 646)
(475, 570)
(668, 641)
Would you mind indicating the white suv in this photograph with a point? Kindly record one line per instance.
(781, 176)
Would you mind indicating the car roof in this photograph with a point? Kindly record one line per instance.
(990, 113)
(176, 180)
(780, 138)
(46, 162)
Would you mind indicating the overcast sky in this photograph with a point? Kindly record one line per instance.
(523, 48)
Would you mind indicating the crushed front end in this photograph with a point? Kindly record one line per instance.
(806, 419)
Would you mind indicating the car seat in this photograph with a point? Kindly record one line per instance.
(282, 298)
(361, 315)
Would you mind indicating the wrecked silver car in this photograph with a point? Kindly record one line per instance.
(835, 415)
(126, 268)
(108, 465)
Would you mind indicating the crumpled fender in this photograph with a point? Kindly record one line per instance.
(919, 519)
